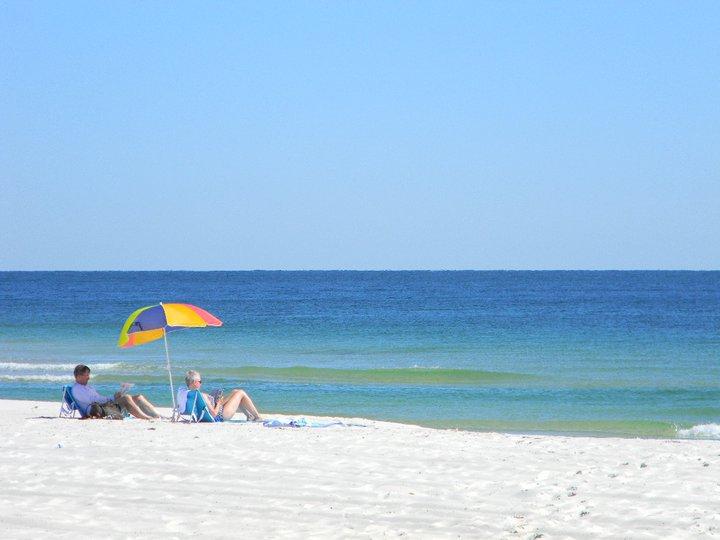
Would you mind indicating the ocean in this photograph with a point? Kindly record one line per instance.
(605, 353)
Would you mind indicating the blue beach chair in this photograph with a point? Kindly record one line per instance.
(196, 410)
(68, 405)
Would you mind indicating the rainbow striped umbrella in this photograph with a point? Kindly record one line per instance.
(154, 322)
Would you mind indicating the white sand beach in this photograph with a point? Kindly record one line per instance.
(118, 479)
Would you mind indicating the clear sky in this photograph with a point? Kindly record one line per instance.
(359, 135)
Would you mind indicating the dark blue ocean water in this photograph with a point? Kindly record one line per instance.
(629, 353)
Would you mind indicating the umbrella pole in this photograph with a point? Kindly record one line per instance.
(172, 390)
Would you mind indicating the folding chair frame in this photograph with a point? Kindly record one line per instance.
(68, 405)
(193, 416)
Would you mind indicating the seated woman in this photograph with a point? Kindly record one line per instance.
(225, 407)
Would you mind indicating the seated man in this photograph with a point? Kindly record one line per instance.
(224, 407)
(87, 397)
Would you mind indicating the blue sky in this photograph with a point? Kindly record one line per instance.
(363, 135)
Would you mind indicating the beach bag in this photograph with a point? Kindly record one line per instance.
(109, 410)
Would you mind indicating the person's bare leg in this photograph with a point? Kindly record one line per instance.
(233, 403)
(239, 398)
(230, 404)
(248, 404)
(131, 406)
(145, 405)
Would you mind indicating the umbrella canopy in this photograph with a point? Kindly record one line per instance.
(152, 322)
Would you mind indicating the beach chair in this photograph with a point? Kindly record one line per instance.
(68, 405)
(196, 410)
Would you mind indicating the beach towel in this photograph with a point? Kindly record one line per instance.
(302, 422)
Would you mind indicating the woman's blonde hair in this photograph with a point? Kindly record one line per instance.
(191, 376)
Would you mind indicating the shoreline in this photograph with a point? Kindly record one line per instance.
(176, 480)
(528, 432)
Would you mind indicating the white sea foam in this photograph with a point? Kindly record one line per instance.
(701, 431)
(416, 366)
(29, 366)
(50, 378)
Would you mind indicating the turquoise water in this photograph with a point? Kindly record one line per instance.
(606, 353)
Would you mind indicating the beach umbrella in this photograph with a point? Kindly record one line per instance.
(154, 322)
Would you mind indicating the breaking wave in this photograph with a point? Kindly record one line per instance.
(701, 431)
(410, 376)
(47, 378)
(29, 366)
